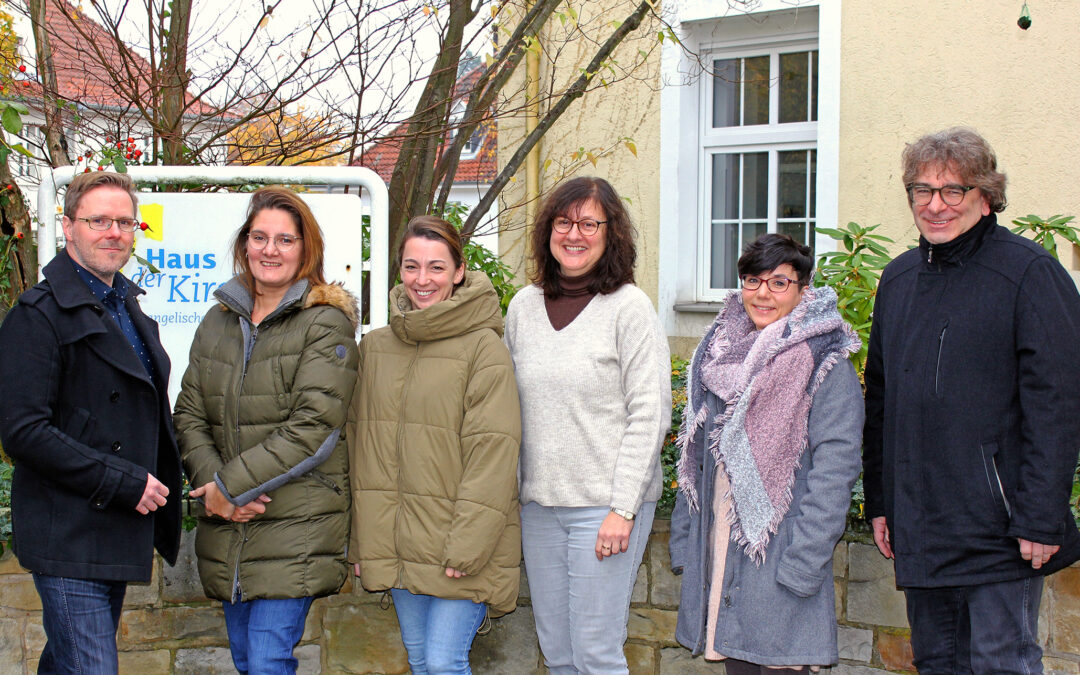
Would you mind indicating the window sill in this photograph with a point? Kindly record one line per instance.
(698, 307)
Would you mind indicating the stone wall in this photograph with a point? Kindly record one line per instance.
(168, 626)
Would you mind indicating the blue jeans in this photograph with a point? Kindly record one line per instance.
(263, 632)
(438, 633)
(580, 604)
(80, 618)
(976, 629)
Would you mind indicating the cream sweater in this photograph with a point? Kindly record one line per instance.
(595, 400)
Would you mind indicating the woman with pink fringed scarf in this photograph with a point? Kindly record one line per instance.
(770, 450)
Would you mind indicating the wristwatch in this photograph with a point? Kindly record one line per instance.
(624, 514)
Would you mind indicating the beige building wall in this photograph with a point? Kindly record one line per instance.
(604, 122)
(916, 67)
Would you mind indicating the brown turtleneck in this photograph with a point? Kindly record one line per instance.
(564, 309)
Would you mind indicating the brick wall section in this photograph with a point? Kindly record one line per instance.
(168, 627)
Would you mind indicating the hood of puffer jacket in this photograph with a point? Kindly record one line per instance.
(474, 305)
(234, 296)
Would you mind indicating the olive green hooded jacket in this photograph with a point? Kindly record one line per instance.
(262, 410)
(433, 436)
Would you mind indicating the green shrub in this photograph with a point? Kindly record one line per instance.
(669, 454)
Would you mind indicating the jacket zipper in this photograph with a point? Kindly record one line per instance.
(937, 366)
(237, 591)
(1001, 488)
(930, 253)
(401, 427)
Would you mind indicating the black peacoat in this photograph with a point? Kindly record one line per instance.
(972, 412)
(84, 423)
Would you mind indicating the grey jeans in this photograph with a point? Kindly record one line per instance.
(580, 604)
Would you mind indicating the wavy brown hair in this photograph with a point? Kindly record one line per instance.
(962, 151)
(282, 199)
(615, 266)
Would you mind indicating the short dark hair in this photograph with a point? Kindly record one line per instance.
(616, 264)
(434, 229)
(962, 151)
(770, 251)
(282, 199)
(85, 182)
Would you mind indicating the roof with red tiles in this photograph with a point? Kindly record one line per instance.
(84, 53)
(479, 168)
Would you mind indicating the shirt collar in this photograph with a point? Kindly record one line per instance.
(99, 288)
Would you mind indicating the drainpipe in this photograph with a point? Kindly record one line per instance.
(532, 115)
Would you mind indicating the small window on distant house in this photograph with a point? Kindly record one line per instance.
(759, 146)
(33, 140)
(473, 145)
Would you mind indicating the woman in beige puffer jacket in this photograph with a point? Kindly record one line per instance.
(434, 432)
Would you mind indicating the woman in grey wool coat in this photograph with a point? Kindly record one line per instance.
(770, 449)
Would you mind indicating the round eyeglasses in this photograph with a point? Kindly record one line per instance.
(952, 195)
(282, 242)
(587, 226)
(776, 284)
(101, 223)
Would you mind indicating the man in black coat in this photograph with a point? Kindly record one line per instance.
(972, 416)
(84, 414)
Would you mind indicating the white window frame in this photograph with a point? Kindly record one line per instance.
(771, 138)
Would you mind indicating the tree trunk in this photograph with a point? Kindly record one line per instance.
(20, 268)
(55, 142)
(413, 182)
(174, 80)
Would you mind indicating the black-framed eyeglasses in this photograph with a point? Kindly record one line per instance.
(282, 242)
(952, 195)
(777, 284)
(101, 223)
(586, 226)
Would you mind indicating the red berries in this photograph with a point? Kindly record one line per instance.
(18, 235)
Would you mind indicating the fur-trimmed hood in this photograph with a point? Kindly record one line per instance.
(335, 295)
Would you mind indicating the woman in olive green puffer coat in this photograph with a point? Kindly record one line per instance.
(434, 433)
(260, 423)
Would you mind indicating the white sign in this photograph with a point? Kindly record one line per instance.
(189, 242)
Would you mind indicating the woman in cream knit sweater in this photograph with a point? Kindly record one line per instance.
(593, 373)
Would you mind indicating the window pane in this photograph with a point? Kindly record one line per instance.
(755, 185)
(750, 232)
(756, 90)
(794, 86)
(725, 187)
(724, 255)
(796, 231)
(813, 183)
(792, 192)
(725, 93)
(813, 85)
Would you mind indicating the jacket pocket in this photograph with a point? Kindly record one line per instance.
(937, 363)
(993, 478)
(325, 480)
(79, 425)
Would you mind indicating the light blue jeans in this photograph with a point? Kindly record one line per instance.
(438, 633)
(263, 632)
(580, 604)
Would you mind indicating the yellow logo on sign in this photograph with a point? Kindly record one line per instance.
(154, 216)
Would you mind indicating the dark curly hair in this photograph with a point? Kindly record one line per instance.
(616, 264)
